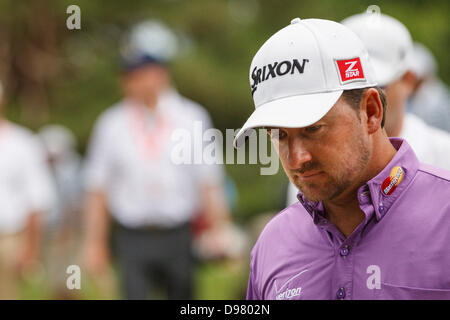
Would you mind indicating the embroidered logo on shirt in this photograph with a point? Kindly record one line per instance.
(288, 293)
(390, 183)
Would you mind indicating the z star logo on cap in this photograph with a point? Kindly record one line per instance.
(390, 183)
(350, 70)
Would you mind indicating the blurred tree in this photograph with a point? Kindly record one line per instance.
(31, 55)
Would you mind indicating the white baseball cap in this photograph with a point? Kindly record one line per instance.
(423, 63)
(57, 139)
(388, 42)
(150, 41)
(301, 71)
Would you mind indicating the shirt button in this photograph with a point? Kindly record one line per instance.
(344, 251)
(340, 294)
(363, 198)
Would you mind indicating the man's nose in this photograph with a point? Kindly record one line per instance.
(298, 154)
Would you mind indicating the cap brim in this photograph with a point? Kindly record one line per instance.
(291, 112)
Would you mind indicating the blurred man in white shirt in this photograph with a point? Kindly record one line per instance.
(130, 173)
(26, 193)
(62, 224)
(430, 99)
(391, 51)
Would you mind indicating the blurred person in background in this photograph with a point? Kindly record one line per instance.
(430, 99)
(390, 49)
(62, 226)
(26, 194)
(130, 176)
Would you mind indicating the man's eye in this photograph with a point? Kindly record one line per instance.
(313, 129)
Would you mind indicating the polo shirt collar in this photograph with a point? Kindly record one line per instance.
(384, 189)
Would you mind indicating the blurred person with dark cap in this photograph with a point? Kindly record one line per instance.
(430, 99)
(62, 224)
(130, 175)
(26, 194)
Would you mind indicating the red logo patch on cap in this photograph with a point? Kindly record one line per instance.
(350, 70)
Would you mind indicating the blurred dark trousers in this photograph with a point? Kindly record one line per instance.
(150, 256)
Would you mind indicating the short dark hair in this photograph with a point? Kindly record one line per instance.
(353, 97)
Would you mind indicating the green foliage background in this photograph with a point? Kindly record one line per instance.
(224, 36)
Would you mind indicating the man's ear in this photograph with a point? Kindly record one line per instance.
(372, 106)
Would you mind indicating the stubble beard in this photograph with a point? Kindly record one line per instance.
(348, 175)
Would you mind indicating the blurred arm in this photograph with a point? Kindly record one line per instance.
(40, 196)
(96, 219)
(213, 241)
(32, 241)
(96, 222)
(215, 207)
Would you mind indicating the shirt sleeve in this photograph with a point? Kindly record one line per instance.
(97, 168)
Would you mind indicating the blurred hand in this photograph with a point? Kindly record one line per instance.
(222, 241)
(28, 257)
(27, 261)
(212, 242)
(96, 259)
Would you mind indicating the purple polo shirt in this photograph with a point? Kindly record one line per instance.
(400, 251)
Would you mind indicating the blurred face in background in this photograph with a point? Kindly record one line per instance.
(397, 93)
(146, 83)
(328, 157)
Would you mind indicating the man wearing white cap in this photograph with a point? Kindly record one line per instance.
(372, 221)
(391, 53)
(430, 99)
(131, 174)
(26, 193)
(62, 226)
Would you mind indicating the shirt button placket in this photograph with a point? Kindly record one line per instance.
(345, 271)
